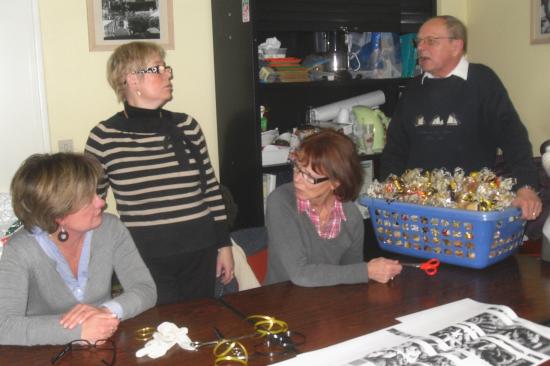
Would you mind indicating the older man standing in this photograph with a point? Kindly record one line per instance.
(458, 114)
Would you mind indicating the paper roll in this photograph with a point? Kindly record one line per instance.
(329, 112)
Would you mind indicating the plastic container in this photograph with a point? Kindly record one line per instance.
(274, 53)
(465, 238)
(267, 137)
(275, 155)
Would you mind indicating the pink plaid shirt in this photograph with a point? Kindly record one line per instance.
(333, 225)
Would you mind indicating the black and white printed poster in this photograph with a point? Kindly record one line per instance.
(462, 333)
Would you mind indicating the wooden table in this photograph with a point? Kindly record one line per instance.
(325, 315)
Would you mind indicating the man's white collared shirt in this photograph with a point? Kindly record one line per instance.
(460, 70)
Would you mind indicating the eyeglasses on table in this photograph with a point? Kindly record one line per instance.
(101, 345)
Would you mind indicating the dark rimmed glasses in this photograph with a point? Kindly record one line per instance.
(84, 345)
(429, 41)
(305, 175)
(158, 69)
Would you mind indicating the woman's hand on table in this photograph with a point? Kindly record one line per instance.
(383, 269)
(100, 325)
(80, 313)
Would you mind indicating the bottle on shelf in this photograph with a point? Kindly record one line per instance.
(263, 118)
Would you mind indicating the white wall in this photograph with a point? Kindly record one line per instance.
(22, 98)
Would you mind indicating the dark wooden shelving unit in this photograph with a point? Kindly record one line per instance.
(239, 92)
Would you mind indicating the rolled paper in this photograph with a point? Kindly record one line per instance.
(330, 111)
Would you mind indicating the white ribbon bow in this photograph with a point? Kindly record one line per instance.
(164, 338)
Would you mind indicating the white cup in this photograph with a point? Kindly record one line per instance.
(343, 116)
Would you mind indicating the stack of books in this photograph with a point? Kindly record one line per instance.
(289, 69)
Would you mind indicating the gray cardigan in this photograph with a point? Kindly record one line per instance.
(297, 253)
(33, 296)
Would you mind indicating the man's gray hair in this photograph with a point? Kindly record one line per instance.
(456, 28)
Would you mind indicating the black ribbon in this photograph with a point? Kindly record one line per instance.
(173, 135)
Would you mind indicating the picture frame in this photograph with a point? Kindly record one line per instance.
(115, 22)
(540, 21)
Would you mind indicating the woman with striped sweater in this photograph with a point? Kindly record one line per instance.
(156, 163)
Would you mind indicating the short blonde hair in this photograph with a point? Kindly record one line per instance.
(47, 187)
(128, 58)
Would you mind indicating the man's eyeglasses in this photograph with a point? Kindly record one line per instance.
(102, 345)
(158, 69)
(430, 41)
(305, 175)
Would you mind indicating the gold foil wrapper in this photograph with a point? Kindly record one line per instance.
(478, 191)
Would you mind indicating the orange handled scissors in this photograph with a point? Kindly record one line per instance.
(430, 267)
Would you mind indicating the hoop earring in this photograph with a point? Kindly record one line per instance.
(63, 235)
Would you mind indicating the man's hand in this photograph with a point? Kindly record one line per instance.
(529, 202)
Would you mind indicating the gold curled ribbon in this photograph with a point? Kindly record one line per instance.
(145, 334)
(228, 351)
(265, 325)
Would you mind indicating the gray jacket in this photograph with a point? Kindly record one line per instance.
(297, 253)
(33, 296)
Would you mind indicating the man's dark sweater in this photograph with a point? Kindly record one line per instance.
(451, 122)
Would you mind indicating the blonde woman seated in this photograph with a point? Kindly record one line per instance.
(55, 274)
(315, 231)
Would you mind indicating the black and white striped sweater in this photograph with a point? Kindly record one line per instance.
(165, 207)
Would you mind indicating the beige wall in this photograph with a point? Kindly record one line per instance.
(78, 95)
(457, 8)
(500, 37)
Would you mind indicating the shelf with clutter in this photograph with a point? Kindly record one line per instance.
(285, 57)
(359, 117)
(336, 56)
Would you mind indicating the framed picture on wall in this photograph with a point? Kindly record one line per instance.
(540, 21)
(114, 22)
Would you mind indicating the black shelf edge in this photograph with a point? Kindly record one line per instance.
(335, 83)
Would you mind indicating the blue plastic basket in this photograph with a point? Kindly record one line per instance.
(465, 238)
